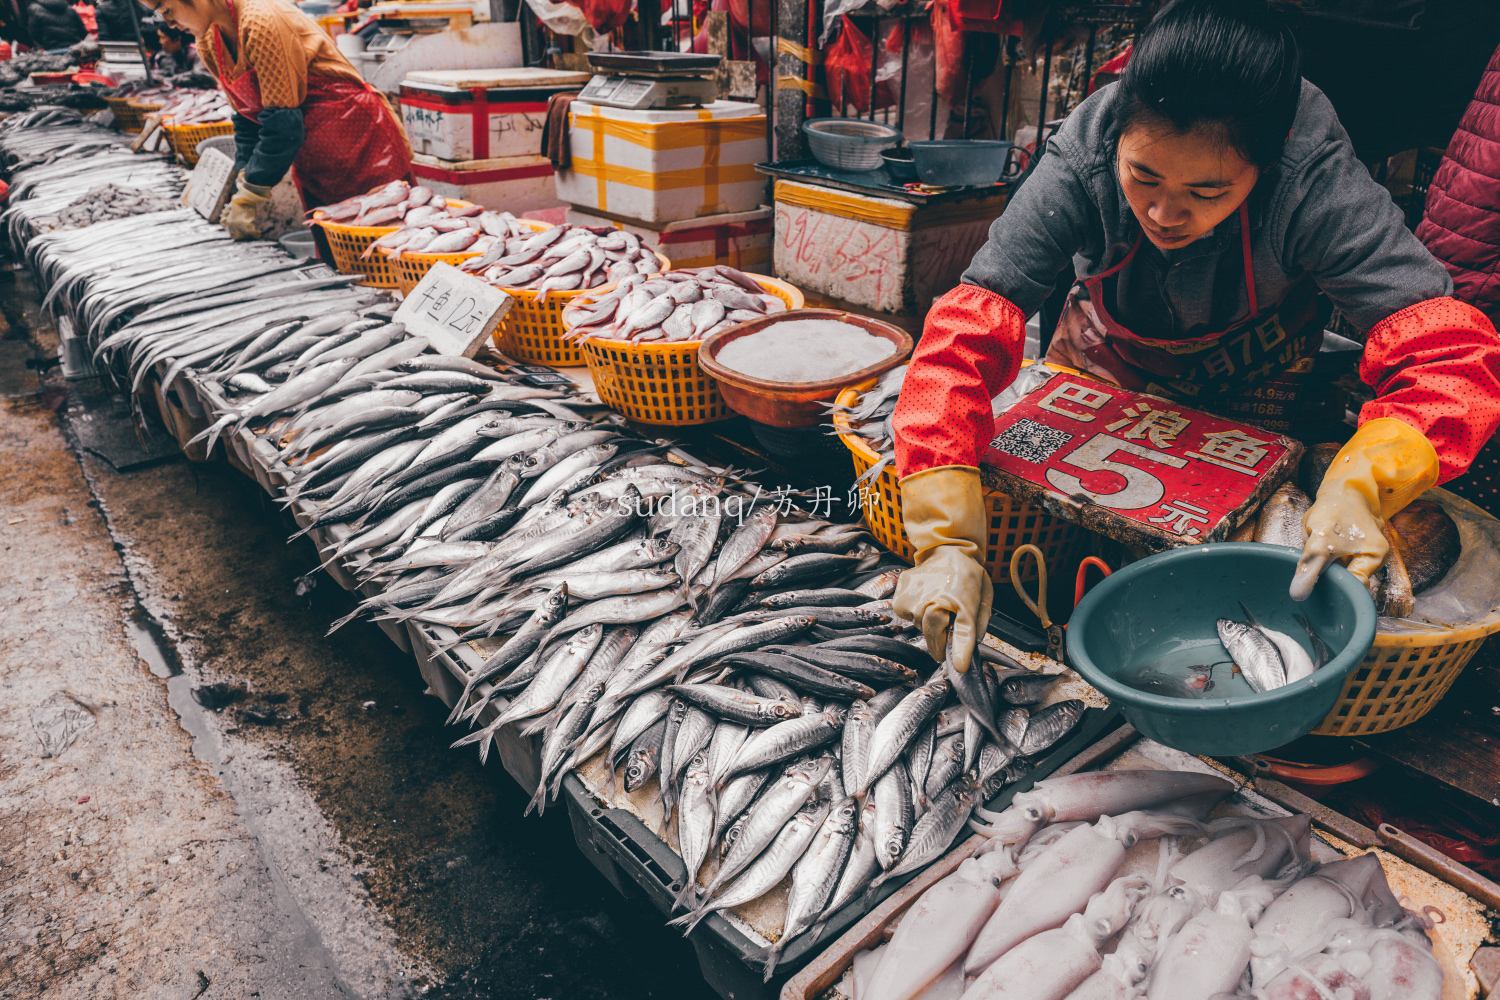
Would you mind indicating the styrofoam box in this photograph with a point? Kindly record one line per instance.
(512, 184)
(741, 239)
(665, 166)
(480, 114)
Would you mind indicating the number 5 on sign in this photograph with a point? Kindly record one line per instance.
(1141, 489)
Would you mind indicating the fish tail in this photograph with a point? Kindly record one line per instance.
(538, 799)
(461, 703)
(770, 955)
(689, 921)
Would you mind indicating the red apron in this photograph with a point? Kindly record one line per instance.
(1258, 370)
(353, 143)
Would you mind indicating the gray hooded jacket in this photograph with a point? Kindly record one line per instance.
(1316, 212)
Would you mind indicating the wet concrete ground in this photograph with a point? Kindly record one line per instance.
(282, 818)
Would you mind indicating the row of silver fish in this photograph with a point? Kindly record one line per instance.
(737, 658)
(564, 258)
(674, 307)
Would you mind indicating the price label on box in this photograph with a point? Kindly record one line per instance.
(455, 311)
(1138, 468)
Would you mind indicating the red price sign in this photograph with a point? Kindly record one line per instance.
(1137, 467)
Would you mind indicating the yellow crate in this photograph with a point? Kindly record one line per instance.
(348, 243)
(1012, 522)
(185, 138)
(1401, 679)
(532, 331)
(410, 268)
(663, 383)
(130, 115)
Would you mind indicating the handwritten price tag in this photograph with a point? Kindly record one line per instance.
(210, 184)
(455, 311)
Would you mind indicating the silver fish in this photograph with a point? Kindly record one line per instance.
(1254, 654)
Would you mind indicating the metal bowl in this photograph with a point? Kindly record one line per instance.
(849, 143)
(900, 165)
(959, 162)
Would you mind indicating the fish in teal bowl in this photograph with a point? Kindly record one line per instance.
(1188, 644)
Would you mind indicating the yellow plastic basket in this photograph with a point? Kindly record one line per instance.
(532, 331)
(1401, 679)
(185, 138)
(410, 268)
(347, 243)
(130, 115)
(1012, 522)
(662, 383)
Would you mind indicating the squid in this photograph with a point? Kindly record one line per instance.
(1362, 963)
(1089, 795)
(1355, 888)
(1060, 882)
(1244, 847)
(1046, 966)
(939, 928)
(1211, 953)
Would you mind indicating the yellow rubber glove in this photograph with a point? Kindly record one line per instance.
(239, 215)
(948, 524)
(1385, 466)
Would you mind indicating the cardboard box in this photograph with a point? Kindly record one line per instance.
(665, 166)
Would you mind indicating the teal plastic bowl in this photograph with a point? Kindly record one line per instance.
(1164, 609)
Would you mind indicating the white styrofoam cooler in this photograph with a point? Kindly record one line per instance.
(739, 239)
(511, 184)
(665, 166)
(480, 114)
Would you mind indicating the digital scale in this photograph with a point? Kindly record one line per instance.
(644, 81)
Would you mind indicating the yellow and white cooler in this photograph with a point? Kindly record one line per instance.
(665, 165)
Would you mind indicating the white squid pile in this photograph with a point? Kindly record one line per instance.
(563, 259)
(673, 307)
(1115, 886)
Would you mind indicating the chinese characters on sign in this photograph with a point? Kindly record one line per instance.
(455, 311)
(1171, 470)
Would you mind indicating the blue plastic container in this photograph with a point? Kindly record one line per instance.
(1148, 611)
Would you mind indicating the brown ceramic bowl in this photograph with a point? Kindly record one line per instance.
(794, 404)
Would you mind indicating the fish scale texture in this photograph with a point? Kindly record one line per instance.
(970, 349)
(1462, 222)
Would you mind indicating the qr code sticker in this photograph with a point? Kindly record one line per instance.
(1030, 441)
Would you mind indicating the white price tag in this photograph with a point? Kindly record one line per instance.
(210, 184)
(455, 311)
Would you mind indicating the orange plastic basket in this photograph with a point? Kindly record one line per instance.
(1012, 522)
(130, 116)
(348, 244)
(532, 331)
(410, 268)
(185, 138)
(663, 383)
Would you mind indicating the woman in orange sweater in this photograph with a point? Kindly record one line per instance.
(297, 103)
